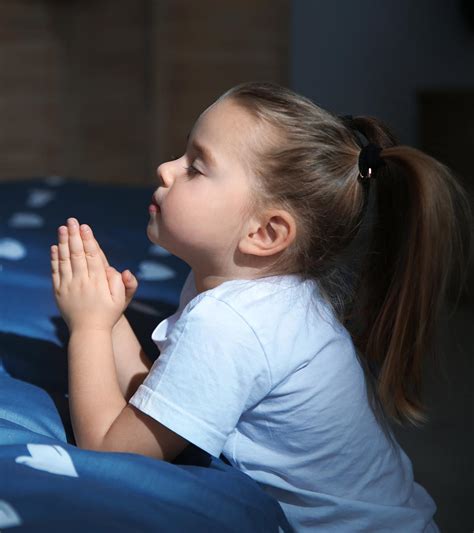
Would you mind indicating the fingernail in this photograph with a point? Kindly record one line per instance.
(85, 228)
(72, 221)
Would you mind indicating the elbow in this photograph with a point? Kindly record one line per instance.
(108, 444)
(92, 446)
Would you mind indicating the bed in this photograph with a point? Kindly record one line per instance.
(46, 482)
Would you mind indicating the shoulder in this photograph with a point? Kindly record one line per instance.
(211, 323)
(217, 319)
(274, 302)
(284, 317)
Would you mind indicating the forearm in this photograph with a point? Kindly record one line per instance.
(131, 363)
(95, 398)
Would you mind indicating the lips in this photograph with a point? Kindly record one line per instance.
(154, 202)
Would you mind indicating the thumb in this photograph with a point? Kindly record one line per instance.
(131, 284)
(115, 283)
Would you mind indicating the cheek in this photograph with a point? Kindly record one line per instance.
(200, 210)
(188, 212)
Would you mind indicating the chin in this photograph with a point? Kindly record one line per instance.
(151, 234)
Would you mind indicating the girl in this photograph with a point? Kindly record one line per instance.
(318, 270)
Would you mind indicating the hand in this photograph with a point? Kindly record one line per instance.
(89, 293)
(129, 280)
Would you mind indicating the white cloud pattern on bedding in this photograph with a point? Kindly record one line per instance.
(53, 459)
(12, 249)
(8, 515)
(26, 220)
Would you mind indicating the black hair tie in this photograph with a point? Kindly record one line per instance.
(369, 156)
(369, 161)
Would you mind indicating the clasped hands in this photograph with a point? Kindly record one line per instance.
(90, 294)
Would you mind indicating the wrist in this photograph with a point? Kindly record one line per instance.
(90, 329)
(122, 321)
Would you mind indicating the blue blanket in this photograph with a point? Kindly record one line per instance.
(46, 482)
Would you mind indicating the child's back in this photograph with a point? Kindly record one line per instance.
(293, 411)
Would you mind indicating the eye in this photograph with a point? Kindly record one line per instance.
(191, 171)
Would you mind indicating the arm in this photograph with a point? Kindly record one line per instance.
(95, 399)
(131, 362)
(101, 418)
(92, 300)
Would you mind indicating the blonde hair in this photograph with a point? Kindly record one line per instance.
(385, 269)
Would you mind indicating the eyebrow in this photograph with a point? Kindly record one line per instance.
(205, 153)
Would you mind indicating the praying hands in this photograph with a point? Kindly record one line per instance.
(89, 293)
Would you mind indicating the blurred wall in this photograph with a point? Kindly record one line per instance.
(201, 49)
(72, 84)
(105, 90)
(371, 58)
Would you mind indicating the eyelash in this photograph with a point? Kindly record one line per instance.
(191, 171)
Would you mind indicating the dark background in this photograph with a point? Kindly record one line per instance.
(105, 90)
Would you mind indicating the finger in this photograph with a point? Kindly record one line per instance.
(95, 264)
(131, 284)
(65, 271)
(76, 248)
(55, 267)
(101, 252)
(116, 286)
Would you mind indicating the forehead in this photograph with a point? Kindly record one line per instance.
(227, 130)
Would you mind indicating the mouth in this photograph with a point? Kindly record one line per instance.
(154, 207)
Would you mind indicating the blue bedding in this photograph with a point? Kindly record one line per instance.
(46, 482)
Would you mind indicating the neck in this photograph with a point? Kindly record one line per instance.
(207, 282)
(243, 266)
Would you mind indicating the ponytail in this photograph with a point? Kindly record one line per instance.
(417, 244)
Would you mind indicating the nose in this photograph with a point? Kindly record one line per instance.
(165, 173)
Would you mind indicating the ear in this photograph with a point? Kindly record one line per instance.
(269, 235)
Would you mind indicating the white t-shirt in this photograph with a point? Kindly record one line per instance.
(255, 370)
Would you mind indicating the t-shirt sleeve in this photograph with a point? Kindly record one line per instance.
(212, 368)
